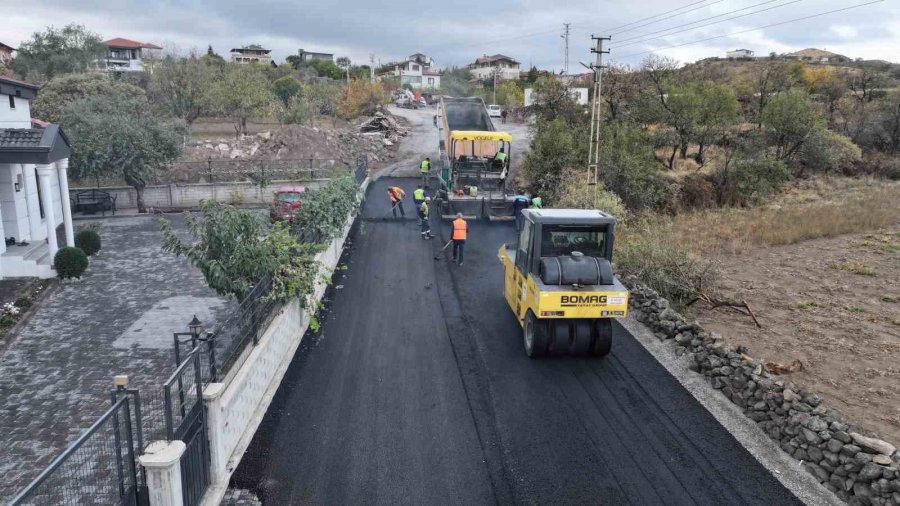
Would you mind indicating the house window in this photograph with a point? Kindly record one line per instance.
(431, 82)
(40, 197)
(12, 102)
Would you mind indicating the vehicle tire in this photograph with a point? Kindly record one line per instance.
(583, 338)
(562, 337)
(602, 337)
(536, 335)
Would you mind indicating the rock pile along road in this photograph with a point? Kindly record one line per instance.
(417, 390)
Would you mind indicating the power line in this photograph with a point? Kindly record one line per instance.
(757, 28)
(617, 31)
(635, 38)
(651, 17)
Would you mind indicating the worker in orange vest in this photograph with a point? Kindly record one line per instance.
(396, 194)
(459, 238)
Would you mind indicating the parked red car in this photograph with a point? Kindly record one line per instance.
(287, 202)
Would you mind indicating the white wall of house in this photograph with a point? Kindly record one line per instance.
(21, 210)
(504, 71)
(14, 117)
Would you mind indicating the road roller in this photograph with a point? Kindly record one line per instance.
(558, 280)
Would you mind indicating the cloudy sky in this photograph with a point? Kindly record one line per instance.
(528, 30)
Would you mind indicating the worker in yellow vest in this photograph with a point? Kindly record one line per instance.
(419, 196)
(460, 229)
(425, 169)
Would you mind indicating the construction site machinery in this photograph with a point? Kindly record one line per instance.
(473, 176)
(559, 283)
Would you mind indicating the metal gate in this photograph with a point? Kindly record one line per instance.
(186, 421)
(97, 468)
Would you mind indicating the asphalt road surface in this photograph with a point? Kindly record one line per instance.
(417, 391)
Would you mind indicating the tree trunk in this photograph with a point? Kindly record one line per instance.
(684, 148)
(672, 158)
(139, 190)
(700, 155)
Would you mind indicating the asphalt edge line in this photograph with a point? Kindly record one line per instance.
(784, 468)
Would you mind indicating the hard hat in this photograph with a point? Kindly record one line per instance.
(427, 199)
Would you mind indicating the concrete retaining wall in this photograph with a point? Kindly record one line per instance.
(187, 196)
(236, 409)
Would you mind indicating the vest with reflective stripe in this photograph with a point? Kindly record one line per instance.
(459, 229)
(419, 195)
(425, 166)
(501, 156)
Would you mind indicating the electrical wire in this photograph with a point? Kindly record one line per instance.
(651, 17)
(617, 31)
(621, 43)
(757, 28)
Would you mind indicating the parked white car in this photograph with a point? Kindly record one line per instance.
(494, 111)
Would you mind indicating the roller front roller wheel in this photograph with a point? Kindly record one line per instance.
(536, 335)
(583, 338)
(602, 330)
(560, 331)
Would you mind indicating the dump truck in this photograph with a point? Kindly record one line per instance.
(472, 177)
(558, 281)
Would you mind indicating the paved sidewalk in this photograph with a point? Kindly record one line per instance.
(56, 375)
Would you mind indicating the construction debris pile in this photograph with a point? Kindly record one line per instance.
(386, 125)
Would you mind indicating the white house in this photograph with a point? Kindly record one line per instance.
(254, 53)
(418, 71)
(504, 66)
(33, 186)
(123, 55)
(739, 53)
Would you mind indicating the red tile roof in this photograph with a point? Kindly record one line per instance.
(129, 44)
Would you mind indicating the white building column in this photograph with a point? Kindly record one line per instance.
(45, 172)
(34, 216)
(64, 202)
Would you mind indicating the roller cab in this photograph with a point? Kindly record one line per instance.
(558, 281)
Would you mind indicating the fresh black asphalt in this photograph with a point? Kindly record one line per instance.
(416, 390)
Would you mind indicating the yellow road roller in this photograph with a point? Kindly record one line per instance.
(559, 283)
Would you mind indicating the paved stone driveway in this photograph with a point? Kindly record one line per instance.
(55, 377)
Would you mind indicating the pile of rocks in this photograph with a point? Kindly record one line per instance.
(386, 125)
(859, 469)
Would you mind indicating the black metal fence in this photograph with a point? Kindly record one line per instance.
(212, 171)
(99, 467)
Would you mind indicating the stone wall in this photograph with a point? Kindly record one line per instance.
(189, 196)
(858, 469)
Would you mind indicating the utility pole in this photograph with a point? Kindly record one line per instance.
(565, 35)
(496, 71)
(372, 67)
(596, 110)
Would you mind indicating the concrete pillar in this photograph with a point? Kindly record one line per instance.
(215, 426)
(45, 172)
(34, 215)
(61, 166)
(162, 464)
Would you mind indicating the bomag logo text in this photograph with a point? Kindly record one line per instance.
(582, 299)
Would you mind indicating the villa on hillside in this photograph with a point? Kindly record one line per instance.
(486, 66)
(6, 53)
(34, 189)
(254, 53)
(417, 70)
(124, 55)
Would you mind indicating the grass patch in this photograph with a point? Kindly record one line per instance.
(855, 267)
(855, 309)
(738, 230)
(807, 304)
(890, 298)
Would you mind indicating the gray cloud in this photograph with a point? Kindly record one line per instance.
(456, 33)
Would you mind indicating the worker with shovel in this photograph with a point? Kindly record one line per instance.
(423, 219)
(396, 195)
(459, 238)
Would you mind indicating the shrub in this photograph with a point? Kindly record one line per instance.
(827, 151)
(749, 180)
(324, 216)
(298, 111)
(629, 168)
(576, 193)
(361, 98)
(88, 241)
(70, 262)
(882, 165)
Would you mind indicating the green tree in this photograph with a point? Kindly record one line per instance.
(114, 135)
(241, 92)
(554, 150)
(235, 249)
(456, 82)
(286, 88)
(58, 51)
(180, 87)
(628, 167)
(510, 95)
(717, 110)
(828, 151)
(324, 68)
(790, 122)
(551, 100)
(61, 92)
